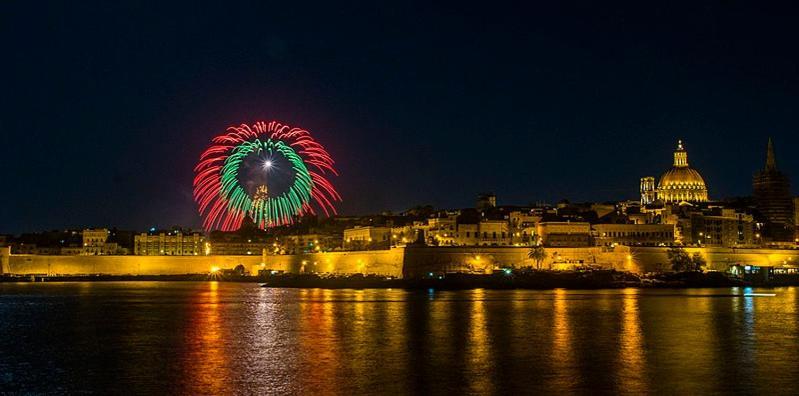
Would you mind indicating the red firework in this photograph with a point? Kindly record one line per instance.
(225, 211)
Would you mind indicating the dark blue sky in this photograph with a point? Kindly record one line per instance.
(106, 107)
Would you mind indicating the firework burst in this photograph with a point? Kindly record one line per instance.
(222, 194)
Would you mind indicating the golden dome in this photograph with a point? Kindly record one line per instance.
(681, 182)
(681, 178)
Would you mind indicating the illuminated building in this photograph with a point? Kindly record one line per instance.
(405, 234)
(772, 192)
(562, 233)
(483, 233)
(726, 229)
(712, 226)
(225, 245)
(441, 230)
(95, 237)
(95, 243)
(648, 191)
(236, 248)
(366, 237)
(169, 244)
(633, 234)
(521, 220)
(522, 227)
(307, 243)
(681, 183)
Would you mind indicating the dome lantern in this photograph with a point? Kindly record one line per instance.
(680, 155)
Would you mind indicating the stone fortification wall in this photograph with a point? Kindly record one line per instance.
(409, 261)
(422, 260)
(653, 259)
(381, 262)
(123, 265)
(384, 262)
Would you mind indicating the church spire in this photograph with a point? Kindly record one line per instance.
(771, 159)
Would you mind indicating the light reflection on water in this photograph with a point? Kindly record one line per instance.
(212, 338)
(206, 358)
(631, 361)
(564, 365)
(479, 368)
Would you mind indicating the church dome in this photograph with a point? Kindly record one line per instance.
(681, 182)
(679, 177)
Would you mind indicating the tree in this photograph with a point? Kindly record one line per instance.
(698, 262)
(679, 259)
(538, 255)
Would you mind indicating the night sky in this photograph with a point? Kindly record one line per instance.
(107, 107)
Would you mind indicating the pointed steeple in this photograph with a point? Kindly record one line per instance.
(771, 159)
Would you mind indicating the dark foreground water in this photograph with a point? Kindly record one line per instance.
(215, 338)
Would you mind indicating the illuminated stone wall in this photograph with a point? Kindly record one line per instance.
(381, 262)
(719, 259)
(5, 253)
(422, 260)
(384, 262)
(123, 265)
(410, 261)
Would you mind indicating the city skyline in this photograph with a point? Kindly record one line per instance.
(116, 122)
(680, 144)
(768, 157)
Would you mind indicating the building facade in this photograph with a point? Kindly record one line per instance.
(483, 233)
(633, 234)
(772, 192)
(368, 237)
(308, 243)
(236, 248)
(730, 229)
(405, 234)
(170, 244)
(562, 234)
(648, 191)
(95, 243)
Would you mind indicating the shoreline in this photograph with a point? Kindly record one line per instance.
(522, 280)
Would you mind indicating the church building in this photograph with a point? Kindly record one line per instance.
(680, 183)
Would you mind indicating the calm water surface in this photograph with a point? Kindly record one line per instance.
(216, 338)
